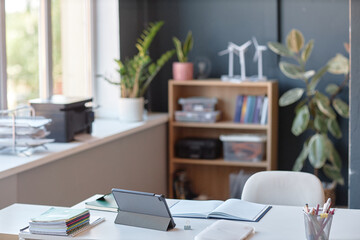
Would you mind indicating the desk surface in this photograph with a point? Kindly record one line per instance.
(281, 222)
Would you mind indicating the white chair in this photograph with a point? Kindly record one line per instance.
(284, 188)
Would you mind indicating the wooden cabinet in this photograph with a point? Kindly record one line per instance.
(211, 177)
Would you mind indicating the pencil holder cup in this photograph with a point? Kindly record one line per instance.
(317, 228)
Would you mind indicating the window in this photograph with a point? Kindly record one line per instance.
(39, 59)
(70, 47)
(21, 24)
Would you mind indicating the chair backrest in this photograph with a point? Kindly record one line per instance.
(284, 188)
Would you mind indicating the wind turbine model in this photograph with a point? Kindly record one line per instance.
(238, 50)
(258, 57)
(241, 52)
(230, 50)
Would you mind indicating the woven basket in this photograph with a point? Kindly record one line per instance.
(330, 192)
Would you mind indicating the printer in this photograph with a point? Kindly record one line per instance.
(69, 116)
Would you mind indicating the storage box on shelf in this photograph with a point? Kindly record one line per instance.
(209, 176)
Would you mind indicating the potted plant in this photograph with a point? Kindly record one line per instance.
(137, 73)
(316, 112)
(183, 70)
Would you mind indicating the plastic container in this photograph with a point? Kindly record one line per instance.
(198, 104)
(244, 147)
(208, 117)
(317, 228)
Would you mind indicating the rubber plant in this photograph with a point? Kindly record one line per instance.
(316, 112)
(138, 72)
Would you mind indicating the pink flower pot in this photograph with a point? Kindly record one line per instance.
(183, 71)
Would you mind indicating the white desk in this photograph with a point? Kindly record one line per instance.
(281, 222)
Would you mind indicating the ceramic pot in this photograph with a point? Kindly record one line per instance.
(183, 71)
(131, 109)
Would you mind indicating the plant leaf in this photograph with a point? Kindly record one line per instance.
(315, 80)
(320, 123)
(331, 88)
(307, 51)
(291, 70)
(280, 49)
(188, 44)
(339, 64)
(179, 51)
(333, 173)
(291, 96)
(295, 40)
(333, 155)
(334, 128)
(317, 151)
(299, 105)
(308, 74)
(322, 102)
(341, 107)
(299, 162)
(147, 37)
(301, 121)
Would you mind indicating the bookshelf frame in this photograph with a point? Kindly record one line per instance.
(211, 177)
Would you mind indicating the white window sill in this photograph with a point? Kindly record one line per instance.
(104, 130)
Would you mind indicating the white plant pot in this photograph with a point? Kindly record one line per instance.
(131, 109)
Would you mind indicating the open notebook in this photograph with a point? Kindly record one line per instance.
(233, 209)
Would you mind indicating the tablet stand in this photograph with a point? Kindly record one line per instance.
(143, 220)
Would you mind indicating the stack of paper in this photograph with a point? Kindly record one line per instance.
(25, 132)
(59, 221)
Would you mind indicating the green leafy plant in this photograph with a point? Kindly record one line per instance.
(182, 51)
(315, 111)
(138, 72)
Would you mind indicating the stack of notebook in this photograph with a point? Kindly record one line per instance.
(59, 221)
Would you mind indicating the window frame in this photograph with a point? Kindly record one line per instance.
(45, 51)
(3, 65)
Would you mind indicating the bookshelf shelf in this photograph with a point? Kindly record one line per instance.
(211, 177)
(220, 162)
(221, 124)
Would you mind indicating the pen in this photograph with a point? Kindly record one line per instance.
(317, 210)
(307, 208)
(327, 206)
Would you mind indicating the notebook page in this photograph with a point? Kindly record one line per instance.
(239, 209)
(194, 208)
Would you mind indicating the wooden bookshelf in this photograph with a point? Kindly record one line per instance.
(211, 177)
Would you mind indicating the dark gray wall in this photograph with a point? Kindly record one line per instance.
(354, 193)
(215, 22)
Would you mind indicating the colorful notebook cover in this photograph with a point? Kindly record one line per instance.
(60, 214)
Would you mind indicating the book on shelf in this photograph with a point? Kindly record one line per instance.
(264, 111)
(243, 109)
(238, 107)
(103, 203)
(251, 109)
(232, 209)
(258, 105)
